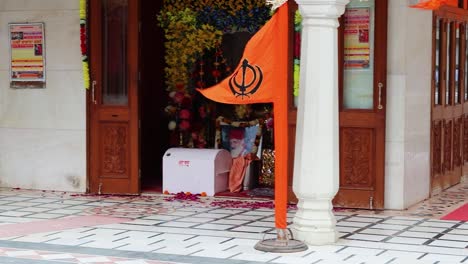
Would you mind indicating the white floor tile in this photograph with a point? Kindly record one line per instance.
(291, 260)
(360, 251)
(20, 253)
(417, 234)
(367, 237)
(363, 219)
(145, 222)
(45, 216)
(213, 227)
(93, 260)
(389, 227)
(400, 222)
(247, 217)
(161, 217)
(427, 229)
(229, 222)
(441, 257)
(446, 224)
(33, 209)
(15, 213)
(408, 240)
(195, 220)
(250, 229)
(373, 231)
(254, 257)
(213, 253)
(57, 256)
(352, 224)
(462, 238)
(211, 216)
(446, 243)
(401, 254)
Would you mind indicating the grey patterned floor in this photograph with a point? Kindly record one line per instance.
(154, 230)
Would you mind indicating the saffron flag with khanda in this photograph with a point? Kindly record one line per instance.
(434, 4)
(262, 77)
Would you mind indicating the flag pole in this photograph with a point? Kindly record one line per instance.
(283, 242)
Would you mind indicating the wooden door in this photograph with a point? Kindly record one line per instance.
(448, 123)
(113, 101)
(362, 82)
(464, 83)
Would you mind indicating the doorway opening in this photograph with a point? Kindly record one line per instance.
(155, 137)
(153, 123)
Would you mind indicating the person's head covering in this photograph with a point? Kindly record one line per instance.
(236, 134)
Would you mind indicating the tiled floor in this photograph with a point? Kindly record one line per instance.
(435, 207)
(52, 227)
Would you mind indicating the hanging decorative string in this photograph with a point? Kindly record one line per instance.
(84, 42)
(297, 51)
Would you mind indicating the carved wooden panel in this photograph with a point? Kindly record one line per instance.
(465, 138)
(448, 145)
(457, 142)
(437, 147)
(357, 157)
(114, 149)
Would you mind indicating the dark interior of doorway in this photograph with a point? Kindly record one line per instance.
(153, 132)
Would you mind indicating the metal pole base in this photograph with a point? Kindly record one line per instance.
(281, 244)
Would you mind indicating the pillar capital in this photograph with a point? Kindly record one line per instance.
(321, 12)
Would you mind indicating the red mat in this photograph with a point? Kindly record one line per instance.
(459, 214)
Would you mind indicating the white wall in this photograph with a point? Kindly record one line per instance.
(408, 105)
(42, 131)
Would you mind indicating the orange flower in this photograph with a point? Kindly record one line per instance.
(166, 192)
(203, 194)
(188, 193)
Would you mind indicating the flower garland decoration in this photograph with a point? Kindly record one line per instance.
(83, 38)
(297, 51)
(194, 28)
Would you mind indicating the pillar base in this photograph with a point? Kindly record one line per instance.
(314, 222)
(315, 237)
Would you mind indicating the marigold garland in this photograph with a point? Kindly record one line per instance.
(84, 42)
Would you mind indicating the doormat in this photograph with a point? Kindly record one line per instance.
(459, 214)
(262, 192)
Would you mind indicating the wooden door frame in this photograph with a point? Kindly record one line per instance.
(380, 51)
(448, 15)
(133, 81)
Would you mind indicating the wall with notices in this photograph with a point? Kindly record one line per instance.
(42, 131)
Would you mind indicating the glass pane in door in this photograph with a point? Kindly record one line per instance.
(358, 75)
(457, 64)
(438, 40)
(448, 88)
(466, 63)
(114, 52)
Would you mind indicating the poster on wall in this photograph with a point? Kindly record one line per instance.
(356, 38)
(27, 55)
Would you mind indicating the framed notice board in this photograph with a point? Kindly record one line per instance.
(27, 55)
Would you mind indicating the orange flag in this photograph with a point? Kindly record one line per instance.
(434, 4)
(261, 77)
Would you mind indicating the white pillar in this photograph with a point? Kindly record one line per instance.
(316, 165)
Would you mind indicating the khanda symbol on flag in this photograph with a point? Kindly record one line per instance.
(252, 77)
(261, 75)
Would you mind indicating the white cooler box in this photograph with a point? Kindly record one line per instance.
(196, 170)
